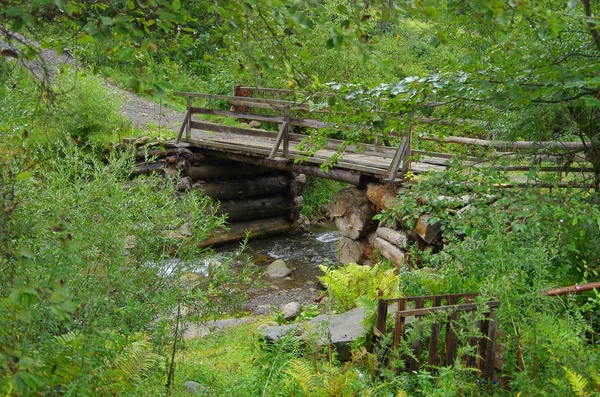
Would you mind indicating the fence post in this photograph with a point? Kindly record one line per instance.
(188, 126)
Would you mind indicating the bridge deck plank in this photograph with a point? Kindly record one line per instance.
(370, 163)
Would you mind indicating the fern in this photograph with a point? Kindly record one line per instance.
(346, 284)
(578, 382)
(135, 362)
(303, 375)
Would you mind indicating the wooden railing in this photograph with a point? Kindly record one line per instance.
(483, 345)
(242, 108)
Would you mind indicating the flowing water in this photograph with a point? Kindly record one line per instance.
(303, 253)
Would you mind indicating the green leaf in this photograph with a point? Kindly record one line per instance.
(21, 176)
(60, 4)
(125, 53)
(176, 5)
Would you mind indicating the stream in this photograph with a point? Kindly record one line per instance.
(302, 253)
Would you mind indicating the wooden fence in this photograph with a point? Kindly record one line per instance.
(483, 346)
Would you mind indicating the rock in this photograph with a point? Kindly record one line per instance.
(129, 140)
(342, 330)
(142, 141)
(262, 310)
(185, 229)
(351, 251)
(254, 124)
(278, 269)
(302, 225)
(291, 310)
(195, 388)
(272, 334)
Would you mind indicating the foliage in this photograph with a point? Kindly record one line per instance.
(352, 281)
(317, 194)
(89, 111)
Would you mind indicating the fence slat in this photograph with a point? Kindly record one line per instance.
(490, 354)
(416, 344)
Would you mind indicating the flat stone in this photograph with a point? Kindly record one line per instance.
(274, 333)
(278, 269)
(195, 388)
(291, 310)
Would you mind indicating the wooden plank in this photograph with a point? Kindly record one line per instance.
(517, 145)
(398, 159)
(350, 177)
(460, 307)
(490, 354)
(282, 133)
(482, 344)
(382, 310)
(416, 344)
(399, 324)
(434, 339)
(237, 231)
(315, 159)
(300, 122)
(451, 343)
(182, 128)
(472, 341)
(189, 119)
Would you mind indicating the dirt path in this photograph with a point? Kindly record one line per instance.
(145, 113)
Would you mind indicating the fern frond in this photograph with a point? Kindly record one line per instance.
(136, 361)
(303, 375)
(578, 382)
(68, 338)
(401, 393)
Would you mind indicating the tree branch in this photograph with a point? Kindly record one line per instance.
(593, 28)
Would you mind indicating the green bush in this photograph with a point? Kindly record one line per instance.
(317, 194)
(351, 282)
(90, 111)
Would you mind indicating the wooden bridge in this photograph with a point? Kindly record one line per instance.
(257, 173)
(289, 151)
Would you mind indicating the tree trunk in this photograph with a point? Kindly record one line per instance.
(244, 187)
(352, 213)
(393, 236)
(238, 210)
(212, 171)
(237, 231)
(426, 230)
(390, 252)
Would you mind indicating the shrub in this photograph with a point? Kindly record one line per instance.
(351, 282)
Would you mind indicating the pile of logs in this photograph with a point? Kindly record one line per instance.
(261, 200)
(352, 211)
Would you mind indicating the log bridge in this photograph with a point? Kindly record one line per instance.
(257, 167)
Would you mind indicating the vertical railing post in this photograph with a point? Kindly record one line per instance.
(286, 133)
(407, 159)
(188, 127)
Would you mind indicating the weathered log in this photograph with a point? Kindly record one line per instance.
(427, 230)
(351, 251)
(352, 213)
(237, 231)
(390, 252)
(238, 210)
(396, 237)
(381, 195)
(180, 152)
(213, 171)
(159, 167)
(238, 188)
(350, 177)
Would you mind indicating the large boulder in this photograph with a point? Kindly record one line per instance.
(278, 269)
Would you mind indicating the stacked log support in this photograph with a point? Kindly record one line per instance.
(353, 216)
(257, 199)
(352, 211)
